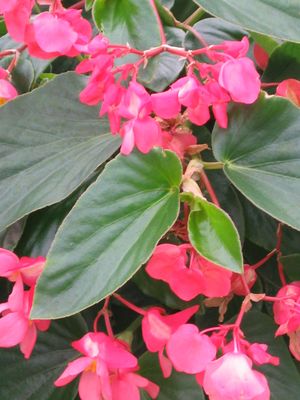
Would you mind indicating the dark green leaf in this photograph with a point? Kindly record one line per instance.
(163, 69)
(214, 236)
(10, 237)
(127, 21)
(178, 387)
(182, 9)
(23, 75)
(284, 380)
(33, 379)
(284, 63)
(271, 17)
(260, 151)
(291, 266)
(110, 232)
(214, 31)
(50, 143)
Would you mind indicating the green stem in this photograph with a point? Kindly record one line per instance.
(195, 17)
(212, 165)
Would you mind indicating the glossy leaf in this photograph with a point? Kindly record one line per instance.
(284, 63)
(260, 151)
(49, 151)
(33, 379)
(214, 236)
(111, 231)
(271, 17)
(284, 380)
(178, 387)
(214, 31)
(127, 21)
(163, 69)
(291, 264)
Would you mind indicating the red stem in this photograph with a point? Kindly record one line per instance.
(264, 260)
(78, 5)
(269, 84)
(209, 188)
(160, 25)
(128, 304)
(105, 313)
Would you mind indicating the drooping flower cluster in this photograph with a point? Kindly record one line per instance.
(107, 368)
(16, 327)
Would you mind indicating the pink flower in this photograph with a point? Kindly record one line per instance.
(158, 328)
(287, 310)
(69, 33)
(106, 369)
(177, 142)
(189, 350)
(141, 130)
(16, 14)
(15, 324)
(28, 268)
(7, 90)
(232, 377)
(290, 88)
(240, 78)
(166, 104)
(168, 263)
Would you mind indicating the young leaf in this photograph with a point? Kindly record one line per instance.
(178, 387)
(214, 236)
(111, 231)
(260, 151)
(127, 21)
(50, 143)
(271, 17)
(33, 379)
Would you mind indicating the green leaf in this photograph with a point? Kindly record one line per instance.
(127, 21)
(88, 4)
(214, 236)
(163, 69)
(33, 379)
(178, 387)
(50, 143)
(261, 155)
(271, 17)
(284, 63)
(214, 31)
(110, 232)
(291, 264)
(284, 380)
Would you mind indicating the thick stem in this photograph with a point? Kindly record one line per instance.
(160, 25)
(195, 17)
(212, 165)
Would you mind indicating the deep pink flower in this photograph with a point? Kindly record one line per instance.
(166, 104)
(290, 88)
(69, 33)
(16, 14)
(15, 324)
(158, 328)
(169, 264)
(106, 369)
(141, 130)
(11, 266)
(232, 377)
(286, 311)
(189, 350)
(240, 78)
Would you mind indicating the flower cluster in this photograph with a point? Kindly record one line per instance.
(16, 327)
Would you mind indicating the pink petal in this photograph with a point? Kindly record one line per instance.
(166, 104)
(187, 284)
(240, 78)
(190, 351)
(116, 356)
(123, 389)
(199, 115)
(31, 269)
(7, 5)
(89, 386)
(73, 369)
(220, 113)
(165, 364)
(181, 317)
(27, 344)
(212, 276)
(290, 88)
(261, 56)
(42, 324)
(13, 328)
(16, 298)
(156, 331)
(16, 20)
(9, 262)
(128, 138)
(46, 25)
(147, 133)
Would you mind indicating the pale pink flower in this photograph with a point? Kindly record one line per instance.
(16, 327)
(158, 328)
(240, 78)
(231, 377)
(69, 33)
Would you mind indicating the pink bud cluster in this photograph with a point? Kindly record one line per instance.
(16, 327)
